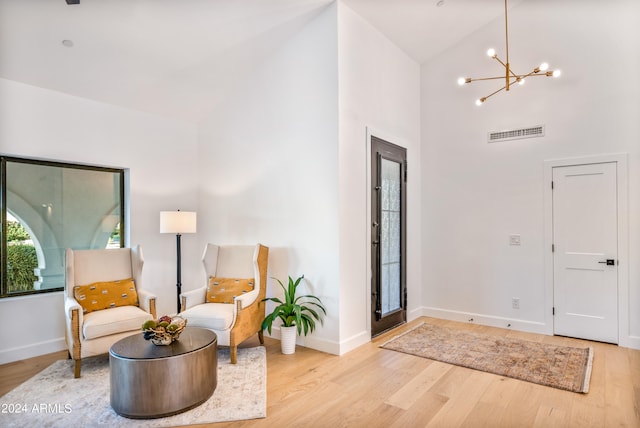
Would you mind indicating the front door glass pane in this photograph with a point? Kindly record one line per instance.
(390, 236)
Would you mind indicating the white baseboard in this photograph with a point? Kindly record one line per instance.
(322, 345)
(354, 341)
(336, 348)
(632, 342)
(414, 313)
(489, 320)
(32, 350)
(319, 344)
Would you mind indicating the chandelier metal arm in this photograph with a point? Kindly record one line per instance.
(506, 66)
(516, 76)
(485, 78)
(483, 99)
(535, 72)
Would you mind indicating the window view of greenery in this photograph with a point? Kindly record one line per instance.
(21, 257)
(49, 207)
(114, 238)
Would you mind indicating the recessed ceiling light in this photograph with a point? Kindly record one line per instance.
(67, 43)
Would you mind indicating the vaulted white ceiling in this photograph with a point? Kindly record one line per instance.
(425, 28)
(178, 57)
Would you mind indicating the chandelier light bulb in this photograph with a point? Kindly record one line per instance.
(521, 82)
(544, 66)
(478, 102)
(556, 73)
(462, 81)
(491, 52)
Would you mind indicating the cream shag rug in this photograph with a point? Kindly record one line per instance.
(562, 367)
(53, 398)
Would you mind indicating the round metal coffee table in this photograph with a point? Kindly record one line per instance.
(150, 381)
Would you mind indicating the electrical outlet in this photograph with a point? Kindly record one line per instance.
(515, 303)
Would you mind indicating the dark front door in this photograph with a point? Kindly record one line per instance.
(388, 235)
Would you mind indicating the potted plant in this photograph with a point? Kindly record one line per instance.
(297, 313)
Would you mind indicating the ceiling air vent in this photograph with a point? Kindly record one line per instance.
(516, 134)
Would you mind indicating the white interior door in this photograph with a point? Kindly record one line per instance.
(585, 258)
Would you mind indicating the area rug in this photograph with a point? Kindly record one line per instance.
(560, 367)
(53, 398)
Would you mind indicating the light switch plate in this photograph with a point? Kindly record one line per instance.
(514, 239)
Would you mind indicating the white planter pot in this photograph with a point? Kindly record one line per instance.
(288, 339)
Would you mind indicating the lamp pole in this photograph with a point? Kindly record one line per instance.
(178, 276)
(178, 222)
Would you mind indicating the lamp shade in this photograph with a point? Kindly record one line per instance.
(177, 222)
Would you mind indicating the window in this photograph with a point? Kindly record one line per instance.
(47, 207)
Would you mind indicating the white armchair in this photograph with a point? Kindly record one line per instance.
(92, 332)
(232, 322)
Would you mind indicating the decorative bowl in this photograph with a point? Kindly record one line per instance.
(164, 330)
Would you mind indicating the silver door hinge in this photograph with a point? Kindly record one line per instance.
(552, 185)
(553, 248)
(553, 310)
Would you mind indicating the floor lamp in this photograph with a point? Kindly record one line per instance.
(178, 222)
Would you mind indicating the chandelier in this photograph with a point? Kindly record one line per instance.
(509, 76)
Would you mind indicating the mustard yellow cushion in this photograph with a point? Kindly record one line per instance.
(106, 295)
(225, 290)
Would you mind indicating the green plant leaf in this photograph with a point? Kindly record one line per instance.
(273, 299)
(291, 291)
(268, 321)
(309, 324)
(312, 312)
(318, 304)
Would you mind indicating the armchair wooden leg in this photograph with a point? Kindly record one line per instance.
(234, 354)
(75, 333)
(76, 372)
(261, 336)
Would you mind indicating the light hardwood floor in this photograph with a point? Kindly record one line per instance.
(373, 387)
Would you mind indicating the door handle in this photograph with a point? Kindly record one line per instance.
(609, 262)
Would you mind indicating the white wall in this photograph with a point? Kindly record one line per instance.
(475, 194)
(159, 153)
(272, 167)
(268, 162)
(379, 92)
